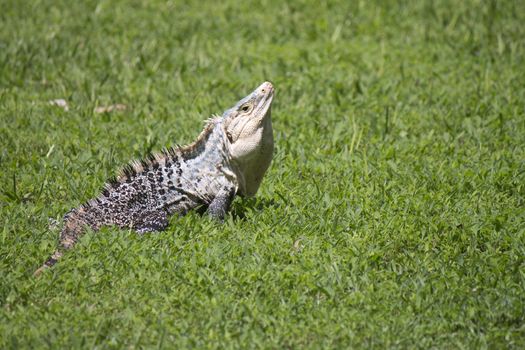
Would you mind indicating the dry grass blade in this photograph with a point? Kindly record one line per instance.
(111, 108)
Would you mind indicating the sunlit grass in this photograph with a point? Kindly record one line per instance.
(392, 216)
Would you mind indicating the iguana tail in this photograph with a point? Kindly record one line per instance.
(49, 262)
(74, 227)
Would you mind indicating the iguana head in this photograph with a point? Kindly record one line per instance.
(248, 127)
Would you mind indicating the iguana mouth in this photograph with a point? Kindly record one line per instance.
(265, 101)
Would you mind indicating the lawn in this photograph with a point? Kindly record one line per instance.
(393, 214)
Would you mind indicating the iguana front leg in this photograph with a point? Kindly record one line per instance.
(220, 205)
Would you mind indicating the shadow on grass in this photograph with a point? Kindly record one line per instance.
(240, 208)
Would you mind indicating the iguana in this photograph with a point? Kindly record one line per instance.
(229, 158)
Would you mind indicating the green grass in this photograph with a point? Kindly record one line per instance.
(392, 215)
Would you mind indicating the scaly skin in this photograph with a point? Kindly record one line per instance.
(228, 158)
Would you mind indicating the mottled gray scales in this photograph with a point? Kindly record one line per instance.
(230, 157)
(220, 204)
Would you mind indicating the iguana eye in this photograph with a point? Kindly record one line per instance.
(245, 108)
(229, 136)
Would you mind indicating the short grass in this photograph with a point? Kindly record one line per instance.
(392, 215)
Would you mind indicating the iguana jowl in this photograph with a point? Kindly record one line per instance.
(229, 158)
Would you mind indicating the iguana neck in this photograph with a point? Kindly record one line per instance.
(210, 150)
